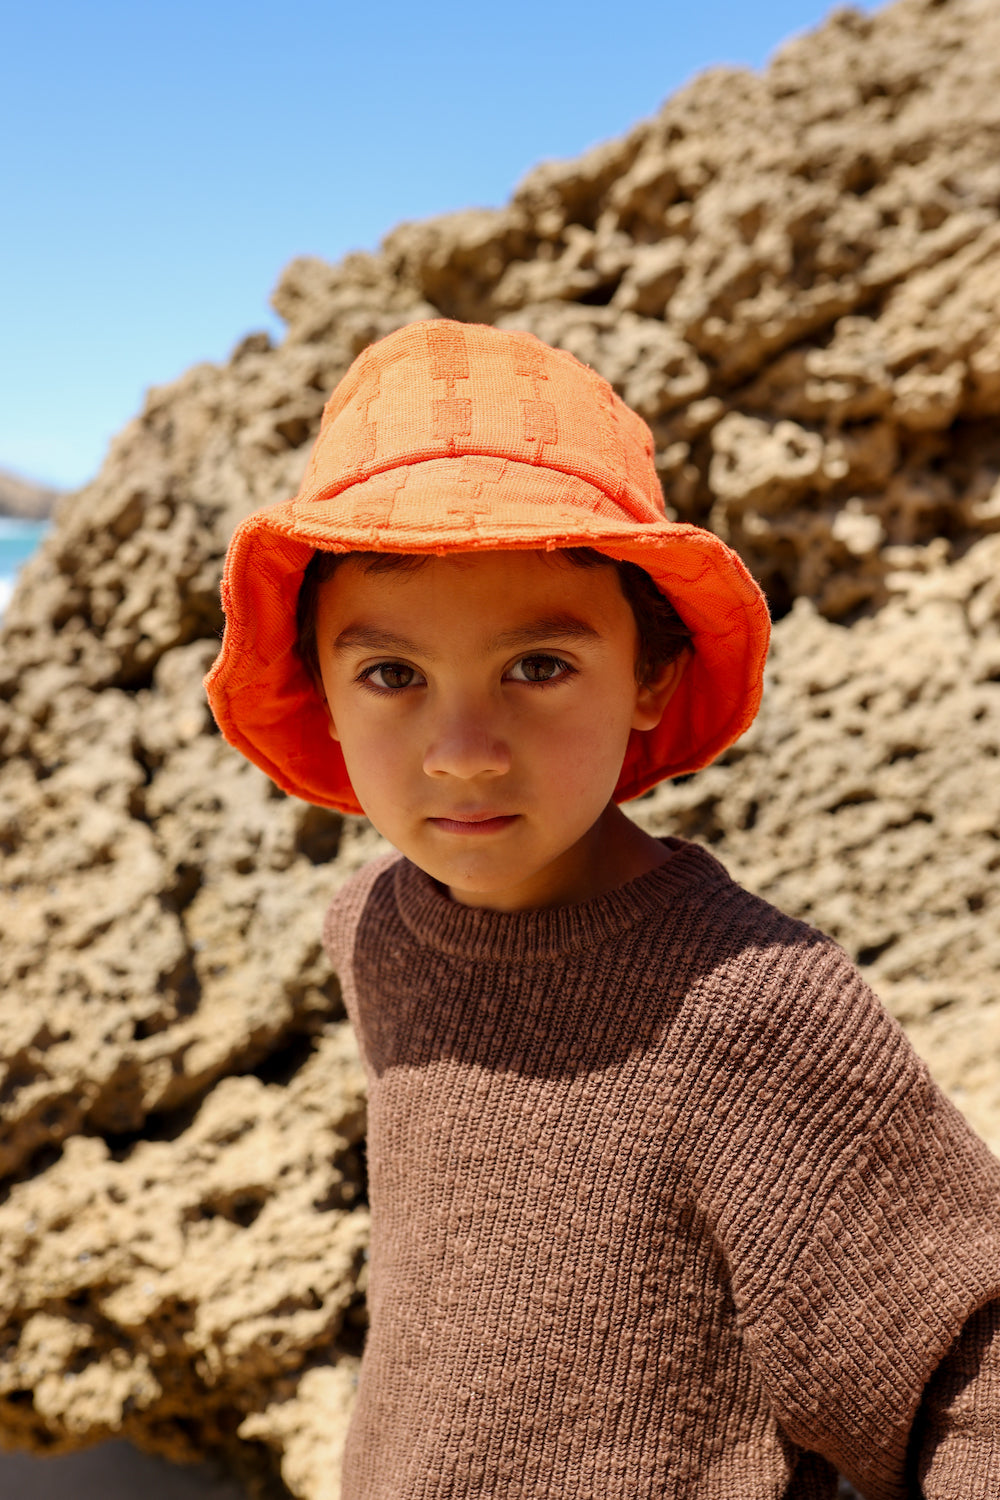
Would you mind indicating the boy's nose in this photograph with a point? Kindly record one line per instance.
(466, 745)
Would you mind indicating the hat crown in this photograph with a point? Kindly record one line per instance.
(439, 389)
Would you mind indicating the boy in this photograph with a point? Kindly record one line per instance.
(663, 1203)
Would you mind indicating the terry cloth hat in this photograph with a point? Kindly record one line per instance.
(453, 437)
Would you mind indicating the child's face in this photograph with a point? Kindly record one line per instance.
(483, 703)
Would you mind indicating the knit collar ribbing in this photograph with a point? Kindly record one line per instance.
(473, 932)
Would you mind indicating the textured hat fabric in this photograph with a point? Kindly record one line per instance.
(448, 437)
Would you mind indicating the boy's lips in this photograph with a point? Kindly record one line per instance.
(479, 822)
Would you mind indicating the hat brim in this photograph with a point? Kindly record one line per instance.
(268, 706)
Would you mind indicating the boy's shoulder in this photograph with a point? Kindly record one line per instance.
(775, 1002)
(348, 904)
(730, 926)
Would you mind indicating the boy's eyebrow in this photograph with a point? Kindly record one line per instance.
(562, 627)
(370, 638)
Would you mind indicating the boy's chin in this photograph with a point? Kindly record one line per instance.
(483, 878)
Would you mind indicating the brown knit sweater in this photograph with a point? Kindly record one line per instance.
(663, 1205)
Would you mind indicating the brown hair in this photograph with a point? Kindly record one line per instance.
(663, 635)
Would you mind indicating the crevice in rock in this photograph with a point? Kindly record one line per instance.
(856, 797)
(33, 1163)
(600, 295)
(185, 883)
(348, 1189)
(285, 1060)
(318, 835)
(158, 1125)
(241, 1208)
(865, 957)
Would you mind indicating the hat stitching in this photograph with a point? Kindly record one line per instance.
(369, 424)
(449, 353)
(451, 415)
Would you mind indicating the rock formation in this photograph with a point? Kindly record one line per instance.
(24, 498)
(794, 278)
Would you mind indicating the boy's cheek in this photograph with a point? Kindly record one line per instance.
(382, 782)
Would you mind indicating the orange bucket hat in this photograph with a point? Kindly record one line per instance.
(452, 437)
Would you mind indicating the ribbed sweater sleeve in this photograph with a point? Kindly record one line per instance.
(858, 1214)
(957, 1433)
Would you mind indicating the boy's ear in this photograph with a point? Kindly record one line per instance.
(331, 727)
(652, 697)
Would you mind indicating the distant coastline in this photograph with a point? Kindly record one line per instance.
(26, 499)
(19, 538)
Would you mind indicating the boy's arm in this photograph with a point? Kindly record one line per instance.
(957, 1431)
(858, 1214)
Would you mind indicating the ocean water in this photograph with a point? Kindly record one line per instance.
(18, 540)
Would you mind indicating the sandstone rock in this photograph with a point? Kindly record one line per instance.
(794, 277)
(25, 498)
(221, 1253)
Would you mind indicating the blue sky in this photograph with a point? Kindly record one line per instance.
(159, 163)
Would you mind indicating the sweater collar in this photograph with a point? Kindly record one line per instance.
(474, 932)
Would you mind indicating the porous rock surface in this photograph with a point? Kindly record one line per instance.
(794, 278)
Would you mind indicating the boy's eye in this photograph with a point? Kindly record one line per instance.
(389, 676)
(540, 669)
